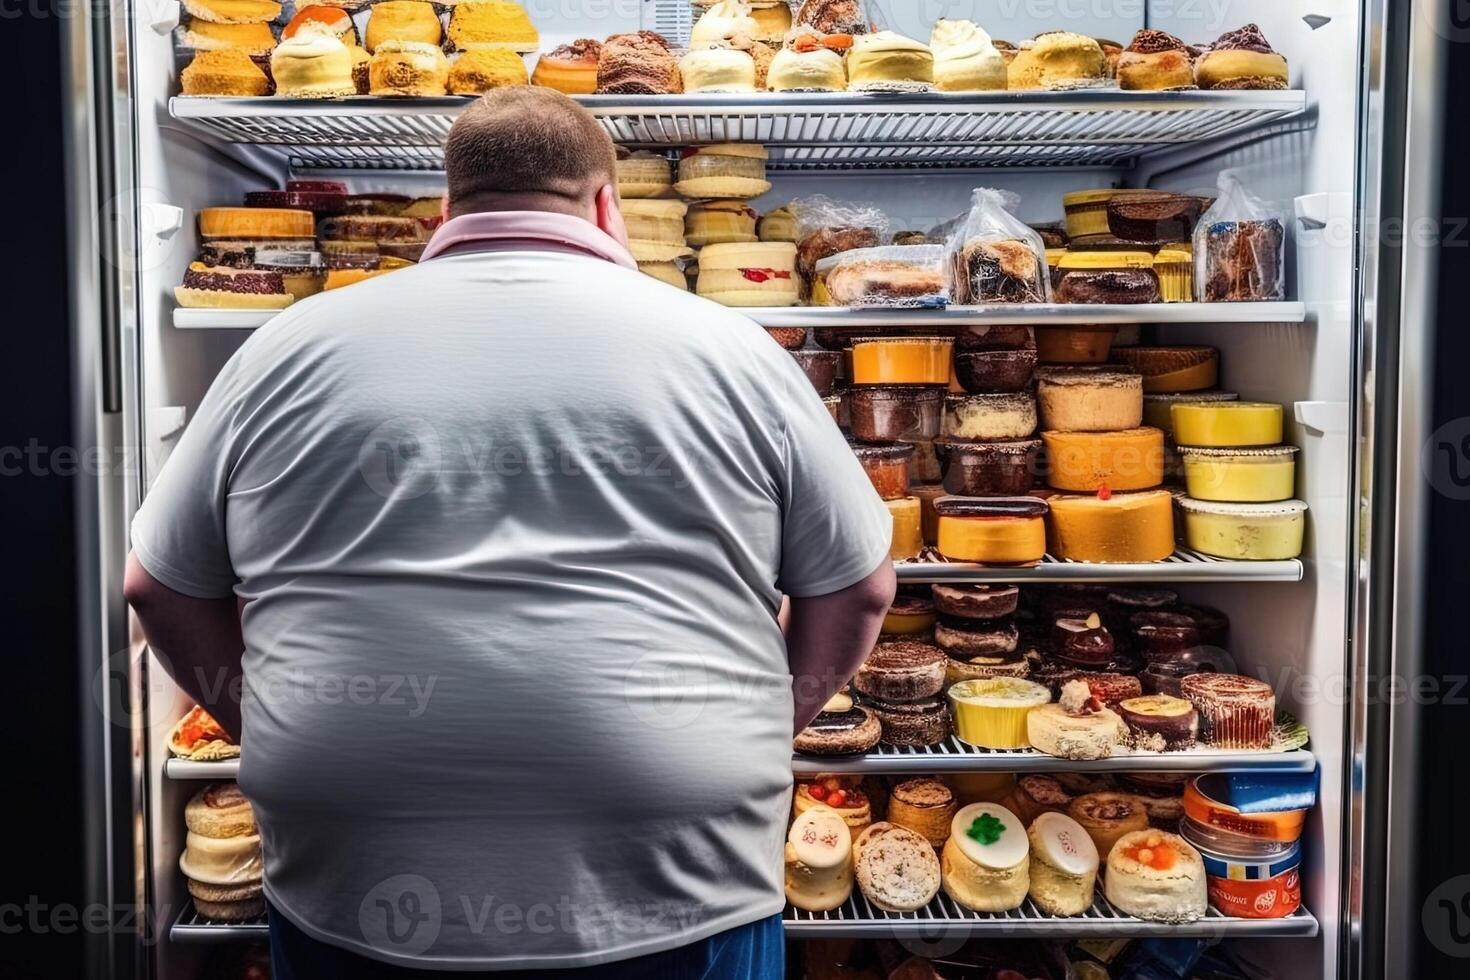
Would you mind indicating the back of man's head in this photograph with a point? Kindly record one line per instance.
(527, 148)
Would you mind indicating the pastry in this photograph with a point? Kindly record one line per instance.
(986, 859)
(1153, 216)
(824, 242)
(820, 368)
(402, 20)
(976, 601)
(1057, 60)
(987, 270)
(842, 794)
(570, 68)
(1082, 640)
(991, 712)
(1235, 711)
(228, 71)
(925, 806)
(762, 55)
(1155, 61)
(483, 69)
(321, 197)
(887, 466)
(833, 16)
(873, 280)
(965, 60)
(1108, 816)
(199, 738)
(888, 413)
(777, 226)
(910, 616)
(301, 272)
(989, 418)
(251, 39)
(1034, 795)
(901, 360)
(408, 68)
(1112, 527)
(1242, 262)
(1248, 475)
(755, 274)
(1162, 794)
(813, 69)
(901, 670)
(1162, 635)
(990, 469)
(1106, 277)
(840, 728)
(1226, 424)
(312, 65)
(911, 723)
(285, 229)
(723, 170)
(489, 24)
(717, 69)
(221, 860)
(1241, 59)
(718, 223)
(998, 530)
(888, 62)
(977, 639)
(334, 19)
(772, 21)
(1172, 369)
(1064, 863)
(219, 288)
(656, 229)
(985, 372)
(644, 174)
(724, 22)
(1160, 723)
(897, 869)
(1089, 401)
(233, 11)
(1125, 459)
(639, 64)
(1157, 876)
(819, 872)
(1077, 726)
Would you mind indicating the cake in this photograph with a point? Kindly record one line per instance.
(719, 222)
(334, 19)
(990, 469)
(991, 712)
(896, 868)
(989, 417)
(725, 23)
(772, 21)
(910, 616)
(815, 69)
(822, 243)
(571, 68)
(233, 11)
(1235, 711)
(717, 69)
(872, 280)
(219, 288)
(818, 859)
(1122, 459)
(1106, 277)
(1172, 369)
(1034, 794)
(1241, 59)
(995, 270)
(483, 69)
(1226, 424)
(1108, 816)
(1242, 262)
(901, 670)
(1156, 876)
(1155, 61)
(926, 806)
(655, 229)
(723, 170)
(986, 860)
(312, 65)
(998, 530)
(1077, 726)
(1057, 60)
(408, 68)
(1064, 863)
(777, 226)
(638, 64)
(228, 71)
(983, 372)
(965, 60)
(833, 16)
(842, 727)
(252, 39)
(402, 20)
(1160, 722)
(889, 62)
(1089, 401)
(911, 723)
(644, 174)
(490, 24)
(221, 860)
(1112, 527)
(754, 274)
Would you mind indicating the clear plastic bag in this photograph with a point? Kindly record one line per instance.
(885, 278)
(994, 257)
(826, 227)
(1239, 249)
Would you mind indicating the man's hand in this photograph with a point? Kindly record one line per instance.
(828, 637)
(199, 641)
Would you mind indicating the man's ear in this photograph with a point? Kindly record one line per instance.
(610, 215)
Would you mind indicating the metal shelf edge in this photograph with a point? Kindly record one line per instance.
(1185, 567)
(972, 760)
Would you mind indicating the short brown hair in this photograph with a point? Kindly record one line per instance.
(527, 140)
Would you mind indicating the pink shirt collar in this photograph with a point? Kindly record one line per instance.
(542, 231)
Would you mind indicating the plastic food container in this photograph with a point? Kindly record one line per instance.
(994, 371)
(1239, 475)
(1226, 424)
(1074, 345)
(1205, 804)
(1248, 532)
(1174, 265)
(887, 465)
(902, 361)
(989, 469)
(1107, 277)
(1087, 213)
(889, 277)
(991, 711)
(820, 367)
(1247, 879)
(888, 413)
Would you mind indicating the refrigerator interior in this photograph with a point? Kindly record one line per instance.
(1292, 634)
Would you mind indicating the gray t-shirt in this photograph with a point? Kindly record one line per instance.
(514, 529)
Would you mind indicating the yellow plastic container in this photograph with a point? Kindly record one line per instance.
(1245, 532)
(902, 361)
(1157, 406)
(991, 712)
(1240, 475)
(1087, 212)
(908, 536)
(1226, 424)
(1175, 267)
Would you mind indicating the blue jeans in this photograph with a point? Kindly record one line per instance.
(750, 952)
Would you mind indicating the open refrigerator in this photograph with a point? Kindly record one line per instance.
(1334, 153)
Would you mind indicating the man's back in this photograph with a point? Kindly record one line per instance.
(511, 552)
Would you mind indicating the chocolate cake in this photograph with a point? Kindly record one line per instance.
(1243, 262)
(638, 64)
(1153, 216)
(998, 271)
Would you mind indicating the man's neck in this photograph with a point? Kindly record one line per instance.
(575, 207)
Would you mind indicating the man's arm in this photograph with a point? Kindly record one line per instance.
(829, 636)
(199, 641)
